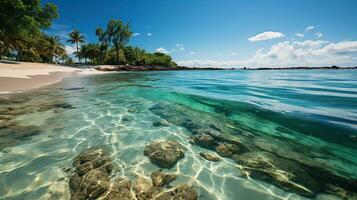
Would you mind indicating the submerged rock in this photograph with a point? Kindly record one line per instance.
(63, 105)
(90, 186)
(204, 140)
(93, 159)
(227, 150)
(181, 192)
(164, 154)
(142, 184)
(337, 191)
(160, 179)
(121, 189)
(91, 178)
(210, 157)
(11, 133)
(284, 173)
(160, 123)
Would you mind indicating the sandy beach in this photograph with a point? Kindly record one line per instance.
(20, 76)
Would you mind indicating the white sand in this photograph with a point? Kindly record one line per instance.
(20, 76)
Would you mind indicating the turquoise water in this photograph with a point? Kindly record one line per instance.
(307, 116)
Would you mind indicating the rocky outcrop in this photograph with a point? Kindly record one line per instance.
(143, 188)
(224, 147)
(180, 192)
(91, 178)
(283, 162)
(12, 132)
(282, 172)
(93, 158)
(121, 189)
(204, 140)
(227, 149)
(160, 179)
(164, 154)
(210, 157)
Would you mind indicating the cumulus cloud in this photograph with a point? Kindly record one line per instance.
(309, 28)
(162, 50)
(70, 49)
(292, 54)
(268, 35)
(318, 35)
(149, 34)
(136, 34)
(176, 49)
(300, 35)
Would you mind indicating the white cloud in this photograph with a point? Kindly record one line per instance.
(179, 47)
(70, 49)
(292, 54)
(192, 52)
(149, 34)
(234, 53)
(136, 34)
(299, 34)
(309, 28)
(162, 50)
(318, 35)
(176, 49)
(266, 36)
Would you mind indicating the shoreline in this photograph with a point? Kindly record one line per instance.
(151, 68)
(21, 76)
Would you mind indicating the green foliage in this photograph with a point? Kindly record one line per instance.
(113, 49)
(22, 38)
(76, 38)
(21, 24)
(55, 48)
(116, 36)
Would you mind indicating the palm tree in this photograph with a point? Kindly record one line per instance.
(119, 34)
(103, 38)
(75, 38)
(83, 52)
(55, 47)
(94, 52)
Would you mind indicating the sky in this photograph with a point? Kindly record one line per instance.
(225, 33)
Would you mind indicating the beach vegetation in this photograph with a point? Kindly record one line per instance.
(24, 37)
(21, 29)
(76, 38)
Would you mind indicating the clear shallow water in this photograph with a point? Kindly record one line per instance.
(308, 115)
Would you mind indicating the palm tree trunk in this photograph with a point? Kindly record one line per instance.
(79, 58)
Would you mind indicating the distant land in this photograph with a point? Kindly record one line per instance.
(303, 68)
(151, 68)
(163, 68)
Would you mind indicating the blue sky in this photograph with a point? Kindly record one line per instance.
(226, 32)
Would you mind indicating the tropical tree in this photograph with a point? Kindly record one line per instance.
(135, 55)
(21, 24)
(83, 52)
(76, 38)
(118, 35)
(55, 47)
(103, 39)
